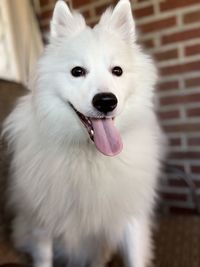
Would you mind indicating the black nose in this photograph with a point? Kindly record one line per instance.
(105, 102)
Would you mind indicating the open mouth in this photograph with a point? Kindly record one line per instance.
(102, 132)
(86, 122)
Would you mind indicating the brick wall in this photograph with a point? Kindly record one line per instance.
(170, 31)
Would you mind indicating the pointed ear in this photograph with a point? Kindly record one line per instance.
(64, 21)
(120, 20)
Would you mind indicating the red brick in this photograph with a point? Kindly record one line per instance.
(167, 55)
(174, 196)
(100, 9)
(178, 168)
(168, 85)
(192, 82)
(188, 155)
(182, 127)
(148, 43)
(46, 14)
(192, 50)
(181, 36)
(192, 17)
(45, 2)
(194, 141)
(180, 99)
(180, 68)
(195, 169)
(177, 183)
(78, 3)
(172, 4)
(197, 183)
(193, 112)
(175, 141)
(143, 12)
(172, 114)
(182, 183)
(158, 25)
(181, 210)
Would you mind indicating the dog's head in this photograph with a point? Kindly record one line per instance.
(95, 72)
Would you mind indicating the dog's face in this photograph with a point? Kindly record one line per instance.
(92, 70)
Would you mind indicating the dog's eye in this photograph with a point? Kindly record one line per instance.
(78, 71)
(117, 71)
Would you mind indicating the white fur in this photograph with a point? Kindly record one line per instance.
(62, 187)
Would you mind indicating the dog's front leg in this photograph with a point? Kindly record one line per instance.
(34, 240)
(136, 243)
(42, 252)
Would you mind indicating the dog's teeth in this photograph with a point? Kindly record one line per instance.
(92, 132)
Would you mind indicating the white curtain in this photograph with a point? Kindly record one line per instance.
(23, 37)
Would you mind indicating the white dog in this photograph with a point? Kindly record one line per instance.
(91, 97)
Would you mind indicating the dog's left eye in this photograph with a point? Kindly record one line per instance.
(78, 71)
(117, 71)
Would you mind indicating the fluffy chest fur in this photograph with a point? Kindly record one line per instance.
(77, 190)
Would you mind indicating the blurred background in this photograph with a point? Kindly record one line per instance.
(169, 30)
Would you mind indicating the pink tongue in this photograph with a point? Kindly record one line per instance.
(106, 137)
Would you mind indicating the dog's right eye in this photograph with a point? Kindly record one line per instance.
(78, 71)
